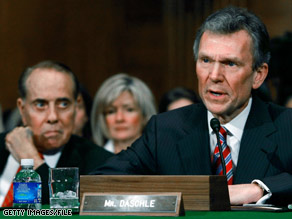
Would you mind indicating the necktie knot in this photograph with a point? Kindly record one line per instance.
(223, 131)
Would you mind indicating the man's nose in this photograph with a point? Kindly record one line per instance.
(216, 72)
(52, 115)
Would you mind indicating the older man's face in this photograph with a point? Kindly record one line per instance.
(225, 75)
(49, 108)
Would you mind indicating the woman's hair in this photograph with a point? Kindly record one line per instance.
(110, 90)
(174, 95)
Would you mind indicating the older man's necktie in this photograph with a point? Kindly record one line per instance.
(226, 155)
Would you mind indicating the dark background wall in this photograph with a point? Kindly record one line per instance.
(150, 39)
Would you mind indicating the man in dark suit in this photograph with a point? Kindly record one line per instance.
(232, 55)
(48, 97)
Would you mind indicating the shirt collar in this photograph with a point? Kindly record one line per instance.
(109, 146)
(236, 125)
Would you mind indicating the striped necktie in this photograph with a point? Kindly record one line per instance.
(226, 155)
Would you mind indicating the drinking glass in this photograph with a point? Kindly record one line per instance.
(64, 188)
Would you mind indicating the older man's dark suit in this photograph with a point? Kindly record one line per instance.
(78, 152)
(177, 143)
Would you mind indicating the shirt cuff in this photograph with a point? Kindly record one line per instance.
(266, 190)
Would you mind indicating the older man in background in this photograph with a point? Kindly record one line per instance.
(47, 103)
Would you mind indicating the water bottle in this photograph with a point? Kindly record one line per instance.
(27, 187)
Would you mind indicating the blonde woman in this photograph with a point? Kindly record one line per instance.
(121, 108)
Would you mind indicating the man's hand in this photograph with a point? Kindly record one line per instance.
(244, 193)
(20, 144)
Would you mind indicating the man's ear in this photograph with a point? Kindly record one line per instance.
(79, 99)
(20, 106)
(260, 75)
(77, 103)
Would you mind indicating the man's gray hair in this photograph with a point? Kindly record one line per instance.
(232, 19)
(108, 92)
(47, 64)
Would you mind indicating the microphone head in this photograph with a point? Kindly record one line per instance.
(215, 124)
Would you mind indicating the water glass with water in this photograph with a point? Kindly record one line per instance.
(64, 188)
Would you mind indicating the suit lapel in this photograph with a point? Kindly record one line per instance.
(255, 145)
(69, 157)
(194, 149)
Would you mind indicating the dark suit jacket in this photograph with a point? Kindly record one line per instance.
(177, 143)
(78, 152)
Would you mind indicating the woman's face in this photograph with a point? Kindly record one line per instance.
(123, 118)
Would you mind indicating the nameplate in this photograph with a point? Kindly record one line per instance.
(152, 204)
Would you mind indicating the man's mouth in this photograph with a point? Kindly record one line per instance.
(52, 133)
(216, 93)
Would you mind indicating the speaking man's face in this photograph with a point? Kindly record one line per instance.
(225, 75)
(49, 108)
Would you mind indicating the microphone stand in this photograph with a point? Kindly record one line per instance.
(221, 153)
(215, 125)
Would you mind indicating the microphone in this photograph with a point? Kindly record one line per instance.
(215, 125)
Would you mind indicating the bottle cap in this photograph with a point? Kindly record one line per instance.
(26, 162)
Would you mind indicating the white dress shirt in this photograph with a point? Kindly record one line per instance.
(235, 130)
(109, 146)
